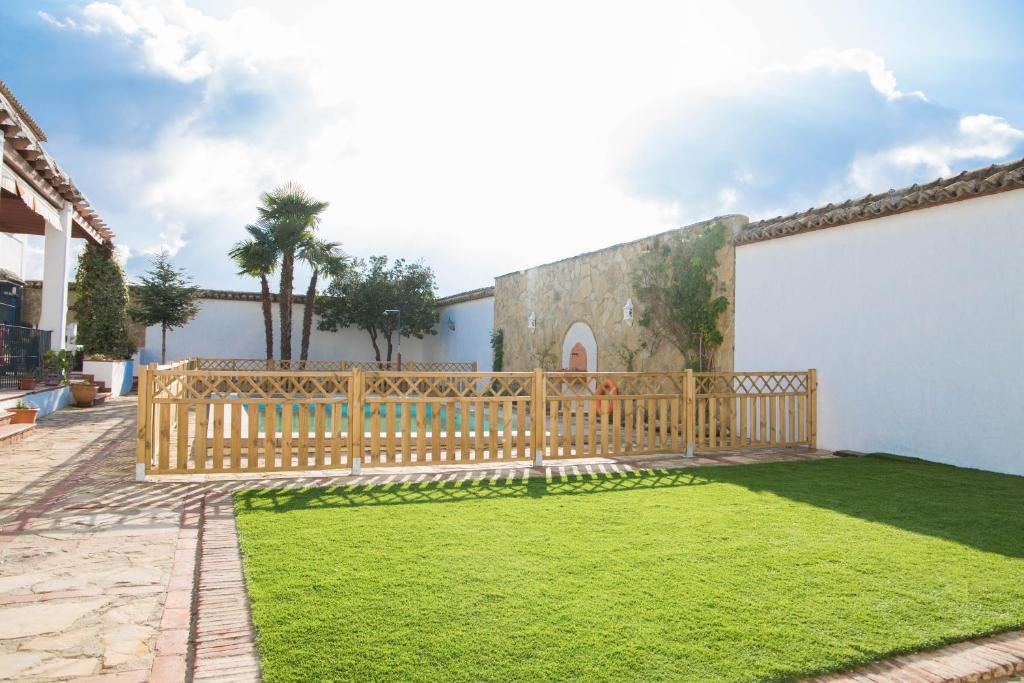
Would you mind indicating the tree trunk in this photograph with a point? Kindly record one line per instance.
(268, 316)
(373, 340)
(163, 344)
(389, 348)
(307, 316)
(287, 275)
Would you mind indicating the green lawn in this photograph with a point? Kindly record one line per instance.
(761, 572)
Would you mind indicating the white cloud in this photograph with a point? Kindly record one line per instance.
(122, 253)
(978, 138)
(67, 23)
(480, 140)
(859, 60)
(171, 241)
(728, 198)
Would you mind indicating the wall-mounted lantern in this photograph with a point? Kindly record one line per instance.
(627, 312)
(531, 322)
(451, 324)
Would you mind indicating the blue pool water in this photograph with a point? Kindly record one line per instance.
(398, 409)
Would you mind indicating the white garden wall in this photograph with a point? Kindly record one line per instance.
(227, 328)
(915, 323)
(471, 338)
(12, 253)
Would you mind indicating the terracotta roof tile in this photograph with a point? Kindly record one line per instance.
(967, 185)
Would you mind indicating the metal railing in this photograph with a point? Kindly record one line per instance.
(21, 353)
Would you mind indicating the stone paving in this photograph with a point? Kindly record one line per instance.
(85, 554)
(106, 579)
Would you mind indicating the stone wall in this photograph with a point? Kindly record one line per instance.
(31, 311)
(594, 288)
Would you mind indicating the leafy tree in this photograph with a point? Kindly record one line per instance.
(323, 258)
(360, 295)
(677, 287)
(291, 216)
(100, 304)
(258, 257)
(166, 298)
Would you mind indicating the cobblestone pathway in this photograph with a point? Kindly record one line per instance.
(86, 554)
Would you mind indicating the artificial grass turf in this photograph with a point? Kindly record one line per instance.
(759, 572)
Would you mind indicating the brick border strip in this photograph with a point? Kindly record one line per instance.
(225, 638)
(986, 658)
(172, 655)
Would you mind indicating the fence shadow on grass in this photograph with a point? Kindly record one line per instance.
(277, 500)
(982, 510)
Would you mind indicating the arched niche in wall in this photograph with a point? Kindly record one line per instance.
(579, 348)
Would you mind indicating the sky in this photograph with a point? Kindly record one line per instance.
(487, 137)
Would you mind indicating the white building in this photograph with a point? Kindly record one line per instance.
(37, 198)
(910, 304)
(230, 324)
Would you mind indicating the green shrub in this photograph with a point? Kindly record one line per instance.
(100, 306)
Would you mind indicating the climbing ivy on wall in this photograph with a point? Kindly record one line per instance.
(678, 292)
(497, 350)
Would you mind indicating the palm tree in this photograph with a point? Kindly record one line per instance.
(292, 216)
(324, 258)
(257, 257)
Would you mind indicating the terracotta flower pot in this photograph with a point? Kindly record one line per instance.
(24, 416)
(84, 394)
(26, 383)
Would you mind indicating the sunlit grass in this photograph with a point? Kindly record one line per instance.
(762, 572)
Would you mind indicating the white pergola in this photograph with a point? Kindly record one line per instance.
(37, 198)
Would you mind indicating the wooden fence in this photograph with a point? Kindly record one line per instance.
(196, 419)
(329, 365)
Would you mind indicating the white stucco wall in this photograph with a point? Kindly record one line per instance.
(234, 329)
(12, 253)
(915, 323)
(471, 339)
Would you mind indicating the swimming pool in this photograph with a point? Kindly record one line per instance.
(382, 409)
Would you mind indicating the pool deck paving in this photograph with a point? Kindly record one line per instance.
(103, 578)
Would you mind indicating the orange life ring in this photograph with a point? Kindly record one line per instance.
(607, 388)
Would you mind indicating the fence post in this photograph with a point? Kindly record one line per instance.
(538, 400)
(689, 409)
(355, 421)
(812, 409)
(142, 410)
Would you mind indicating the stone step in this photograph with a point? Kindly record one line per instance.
(13, 433)
(5, 417)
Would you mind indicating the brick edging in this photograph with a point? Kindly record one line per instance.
(225, 638)
(172, 656)
(982, 659)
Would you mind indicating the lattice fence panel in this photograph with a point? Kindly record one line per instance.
(750, 410)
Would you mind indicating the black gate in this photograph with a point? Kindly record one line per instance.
(21, 353)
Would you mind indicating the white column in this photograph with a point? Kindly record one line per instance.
(56, 262)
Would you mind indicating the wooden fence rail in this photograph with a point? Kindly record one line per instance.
(196, 419)
(330, 365)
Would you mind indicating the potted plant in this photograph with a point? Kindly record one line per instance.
(24, 414)
(27, 382)
(84, 393)
(57, 363)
